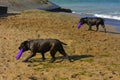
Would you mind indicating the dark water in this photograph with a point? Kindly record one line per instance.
(114, 23)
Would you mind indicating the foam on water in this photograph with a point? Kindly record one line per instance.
(107, 16)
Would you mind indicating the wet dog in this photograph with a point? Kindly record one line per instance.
(42, 46)
(91, 21)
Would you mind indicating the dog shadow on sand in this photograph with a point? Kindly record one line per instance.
(62, 58)
(111, 32)
(78, 57)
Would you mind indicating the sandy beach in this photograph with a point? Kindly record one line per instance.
(95, 55)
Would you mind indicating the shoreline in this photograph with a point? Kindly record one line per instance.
(109, 22)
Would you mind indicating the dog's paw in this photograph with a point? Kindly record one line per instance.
(42, 60)
(52, 61)
(25, 61)
(71, 60)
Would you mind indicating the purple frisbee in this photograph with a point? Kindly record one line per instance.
(79, 25)
(19, 54)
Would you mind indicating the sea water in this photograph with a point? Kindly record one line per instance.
(107, 9)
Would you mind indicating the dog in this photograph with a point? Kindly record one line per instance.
(42, 46)
(91, 21)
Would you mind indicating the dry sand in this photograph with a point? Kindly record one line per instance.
(96, 55)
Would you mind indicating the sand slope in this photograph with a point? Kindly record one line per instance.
(95, 54)
(21, 5)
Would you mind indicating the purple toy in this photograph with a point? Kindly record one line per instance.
(19, 54)
(79, 25)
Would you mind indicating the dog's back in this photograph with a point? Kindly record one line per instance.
(94, 21)
(46, 44)
(91, 21)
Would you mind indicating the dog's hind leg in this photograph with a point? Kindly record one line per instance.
(52, 53)
(97, 27)
(90, 27)
(62, 51)
(43, 56)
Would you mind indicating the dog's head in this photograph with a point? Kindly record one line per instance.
(83, 20)
(25, 46)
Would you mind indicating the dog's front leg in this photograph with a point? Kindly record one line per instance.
(30, 56)
(90, 27)
(97, 27)
(52, 53)
(43, 56)
(104, 28)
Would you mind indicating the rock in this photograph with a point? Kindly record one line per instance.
(111, 77)
(74, 75)
(29, 65)
(32, 78)
(101, 73)
(8, 60)
(61, 10)
(18, 5)
(18, 75)
(113, 72)
(3, 10)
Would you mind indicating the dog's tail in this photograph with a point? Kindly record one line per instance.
(63, 43)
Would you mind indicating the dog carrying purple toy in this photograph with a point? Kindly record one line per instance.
(79, 25)
(19, 54)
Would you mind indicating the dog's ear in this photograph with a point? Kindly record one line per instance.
(28, 43)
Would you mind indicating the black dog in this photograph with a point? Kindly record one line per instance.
(91, 21)
(42, 46)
